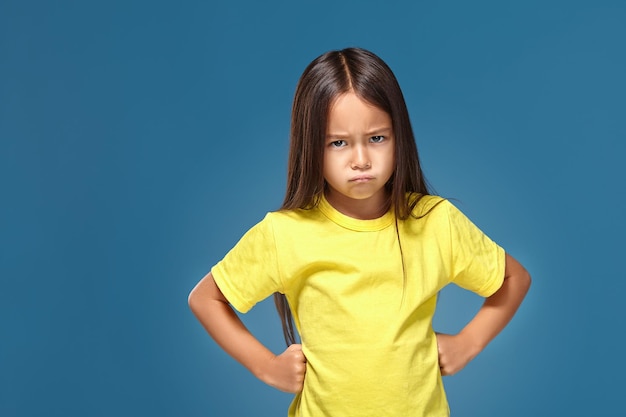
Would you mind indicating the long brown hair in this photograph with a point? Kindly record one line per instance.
(328, 76)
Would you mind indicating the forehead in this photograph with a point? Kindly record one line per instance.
(349, 112)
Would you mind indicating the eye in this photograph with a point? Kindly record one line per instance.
(338, 143)
(377, 139)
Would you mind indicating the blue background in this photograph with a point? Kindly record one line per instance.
(139, 140)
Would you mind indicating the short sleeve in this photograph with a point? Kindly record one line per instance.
(477, 262)
(248, 273)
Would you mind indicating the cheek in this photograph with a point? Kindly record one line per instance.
(390, 166)
(391, 161)
(331, 162)
(327, 170)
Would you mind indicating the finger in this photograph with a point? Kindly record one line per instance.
(299, 356)
(442, 370)
(296, 350)
(438, 343)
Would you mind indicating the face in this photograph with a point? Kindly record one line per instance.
(358, 157)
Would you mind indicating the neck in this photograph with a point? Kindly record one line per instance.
(365, 209)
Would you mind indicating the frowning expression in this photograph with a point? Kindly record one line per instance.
(358, 153)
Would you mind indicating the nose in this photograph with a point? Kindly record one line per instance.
(360, 158)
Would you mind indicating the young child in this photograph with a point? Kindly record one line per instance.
(357, 253)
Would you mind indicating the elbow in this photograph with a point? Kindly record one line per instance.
(520, 277)
(203, 293)
(524, 280)
(525, 276)
(193, 299)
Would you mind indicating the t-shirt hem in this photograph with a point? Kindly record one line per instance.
(495, 283)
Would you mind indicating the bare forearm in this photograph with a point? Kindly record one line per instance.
(285, 371)
(498, 309)
(230, 334)
(225, 327)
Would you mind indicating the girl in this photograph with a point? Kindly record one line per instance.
(358, 252)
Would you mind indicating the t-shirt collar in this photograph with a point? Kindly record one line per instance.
(355, 224)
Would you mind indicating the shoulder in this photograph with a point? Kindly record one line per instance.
(423, 205)
(432, 212)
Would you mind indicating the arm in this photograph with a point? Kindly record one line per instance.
(456, 351)
(285, 371)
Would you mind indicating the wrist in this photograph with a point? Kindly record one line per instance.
(261, 368)
(472, 342)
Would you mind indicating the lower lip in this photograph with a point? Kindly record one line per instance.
(360, 180)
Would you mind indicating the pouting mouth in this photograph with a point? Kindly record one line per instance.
(361, 178)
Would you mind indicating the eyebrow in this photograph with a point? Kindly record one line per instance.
(379, 130)
(373, 132)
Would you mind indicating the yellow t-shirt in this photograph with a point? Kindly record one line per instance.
(365, 326)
